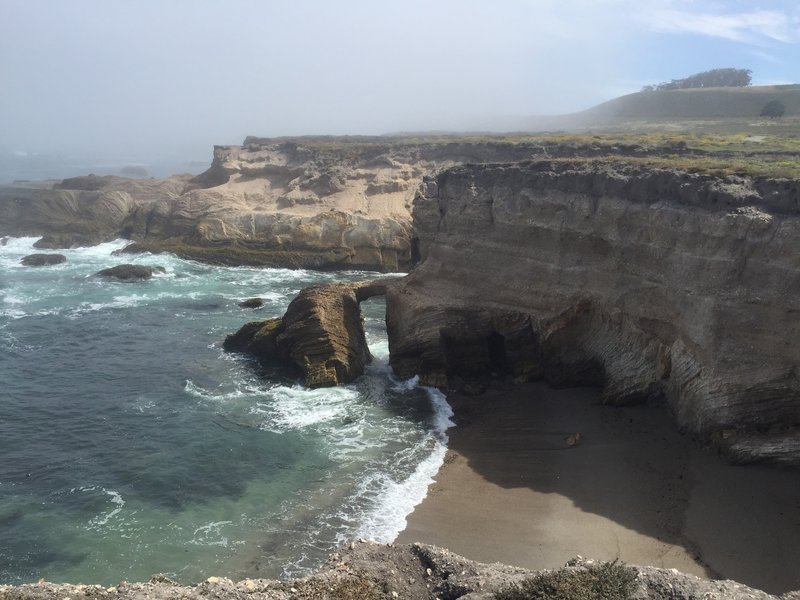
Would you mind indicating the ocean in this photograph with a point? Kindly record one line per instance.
(131, 444)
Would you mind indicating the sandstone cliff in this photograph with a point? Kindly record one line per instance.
(326, 203)
(650, 283)
(329, 203)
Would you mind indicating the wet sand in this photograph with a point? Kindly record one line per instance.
(515, 490)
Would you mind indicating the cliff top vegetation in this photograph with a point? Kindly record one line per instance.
(755, 148)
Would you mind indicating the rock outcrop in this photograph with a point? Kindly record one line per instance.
(321, 334)
(322, 203)
(251, 303)
(129, 273)
(43, 260)
(650, 283)
(82, 211)
(371, 571)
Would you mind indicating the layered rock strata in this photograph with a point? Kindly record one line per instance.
(372, 571)
(650, 283)
(323, 203)
(83, 211)
(321, 334)
(309, 203)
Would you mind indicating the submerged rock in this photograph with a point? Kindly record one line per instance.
(251, 303)
(130, 272)
(321, 334)
(43, 260)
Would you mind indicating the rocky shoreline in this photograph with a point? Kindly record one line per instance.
(527, 263)
(650, 284)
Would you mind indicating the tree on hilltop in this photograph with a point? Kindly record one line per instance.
(773, 108)
(706, 79)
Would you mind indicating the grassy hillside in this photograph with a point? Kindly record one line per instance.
(700, 103)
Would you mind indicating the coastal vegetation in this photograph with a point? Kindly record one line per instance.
(773, 108)
(727, 77)
(723, 147)
(682, 106)
(604, 581)
(355, 586)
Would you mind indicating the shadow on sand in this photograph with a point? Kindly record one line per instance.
(629, 486)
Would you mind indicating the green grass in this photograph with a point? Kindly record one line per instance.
(754, 147)
(697, 103)
(606, 581)
(744, 166)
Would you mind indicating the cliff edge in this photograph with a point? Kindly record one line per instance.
(651, 283)
(317, 202)
(370, 571)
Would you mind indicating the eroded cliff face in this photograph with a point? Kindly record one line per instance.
(326, 203)
(650, 283)
(82, 211)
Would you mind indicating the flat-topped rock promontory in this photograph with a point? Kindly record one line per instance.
(317, 202)
(371, 571)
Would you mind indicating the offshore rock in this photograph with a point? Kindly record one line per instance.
(321, 334)
(130, 273)
(650, 283)
(251, 303)
(43, 260)
(372, 571)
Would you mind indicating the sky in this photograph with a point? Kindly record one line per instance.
(140, 78)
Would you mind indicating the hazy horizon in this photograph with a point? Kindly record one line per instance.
(131, 81)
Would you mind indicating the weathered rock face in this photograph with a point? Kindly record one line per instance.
(43, 260)
(324, 203)
(371, 571)
(129, 272)
(649, 283)
(313, 204)
(321, 333)
(82, 211)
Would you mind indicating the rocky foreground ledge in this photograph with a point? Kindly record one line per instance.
(371, 571)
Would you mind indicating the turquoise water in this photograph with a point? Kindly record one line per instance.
(131, 444)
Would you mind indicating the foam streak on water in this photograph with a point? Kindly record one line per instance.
(133, 444)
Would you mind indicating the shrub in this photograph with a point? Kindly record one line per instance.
(773, 108)
(606, 581)
(713, 78)
(356, 586)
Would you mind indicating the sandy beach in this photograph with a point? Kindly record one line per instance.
(519, 486)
